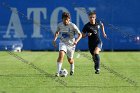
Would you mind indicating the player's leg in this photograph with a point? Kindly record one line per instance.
(62, 50)
(71, 61)
(91, 49)
(97, 58)
(93, 58)
(59, 61)
(70, 54)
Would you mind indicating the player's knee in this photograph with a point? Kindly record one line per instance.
(71, 60)
(96, 52)
(60, 57)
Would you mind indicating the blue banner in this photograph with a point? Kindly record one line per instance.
(31, 24)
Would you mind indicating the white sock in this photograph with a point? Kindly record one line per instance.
(59, 65)
(72, 67)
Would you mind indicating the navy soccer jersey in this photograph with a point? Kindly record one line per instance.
(94, 39)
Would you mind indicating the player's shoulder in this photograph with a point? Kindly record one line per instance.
(60, 24)
(98, 22)
(72, 24)
(87, 24)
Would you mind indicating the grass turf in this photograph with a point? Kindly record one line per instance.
(33, 72)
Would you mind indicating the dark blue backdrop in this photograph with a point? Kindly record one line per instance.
(32, 23)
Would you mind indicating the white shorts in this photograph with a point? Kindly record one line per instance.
(69, 50)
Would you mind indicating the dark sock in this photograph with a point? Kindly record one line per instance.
(93, 58)
(97, 61)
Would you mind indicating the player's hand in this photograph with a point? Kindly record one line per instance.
(75, 43)
(54, 44)
(89, 34)
(105, 36)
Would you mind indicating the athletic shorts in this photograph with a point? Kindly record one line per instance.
(69, 50)
(92, 47)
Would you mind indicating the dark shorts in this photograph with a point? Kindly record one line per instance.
(92, 47)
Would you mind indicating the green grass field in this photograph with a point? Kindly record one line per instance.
(120, 73)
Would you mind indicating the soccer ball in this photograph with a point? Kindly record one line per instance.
(63, 73)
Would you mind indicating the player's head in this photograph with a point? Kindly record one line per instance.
(92, 16)
(66, 18)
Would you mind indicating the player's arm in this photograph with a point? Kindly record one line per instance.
(79, 34)
(103, 30)
(55, 38)
(79, 37)
(85, 33)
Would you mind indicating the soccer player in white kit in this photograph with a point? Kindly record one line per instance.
(67, 31)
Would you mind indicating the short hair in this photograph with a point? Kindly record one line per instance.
(65, 15)
(92, 13)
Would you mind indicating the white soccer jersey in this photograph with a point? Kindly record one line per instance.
(67, 32)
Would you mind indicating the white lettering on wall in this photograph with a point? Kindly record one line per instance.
(36, 20)
(15, 25)
(82, 14)
(38, 14)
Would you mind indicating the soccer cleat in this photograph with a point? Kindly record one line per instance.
(71, 73)
(97, 72)
(57, 74)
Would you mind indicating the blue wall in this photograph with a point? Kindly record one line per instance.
(31, 23)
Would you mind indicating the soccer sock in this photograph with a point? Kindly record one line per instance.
(59, 65)
(93, 58)
(72, 67)
(97, 62)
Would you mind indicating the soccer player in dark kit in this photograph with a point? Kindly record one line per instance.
(91, 29)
